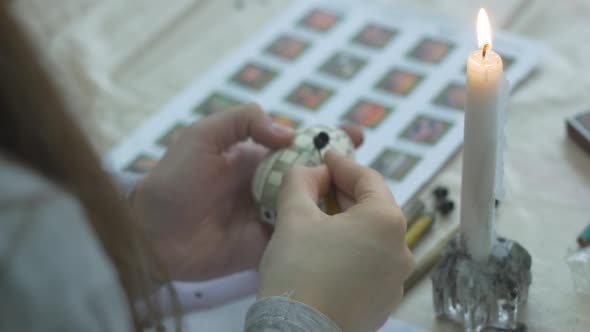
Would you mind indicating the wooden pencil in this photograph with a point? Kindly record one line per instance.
(428, 260)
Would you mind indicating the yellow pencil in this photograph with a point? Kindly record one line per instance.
(418, 229)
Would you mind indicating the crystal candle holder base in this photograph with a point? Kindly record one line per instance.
(486, 295)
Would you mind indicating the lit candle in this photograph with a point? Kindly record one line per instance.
(483, 126)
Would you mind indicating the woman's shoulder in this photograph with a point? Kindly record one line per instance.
(32, 206)
(25, 199)
(19, 184)
(51, 263)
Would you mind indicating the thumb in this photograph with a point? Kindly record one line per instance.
(362, 184)
(222, 130)
(300, 192)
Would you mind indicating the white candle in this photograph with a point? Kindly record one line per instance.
(485, 81)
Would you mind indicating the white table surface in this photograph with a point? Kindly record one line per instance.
(118, 61)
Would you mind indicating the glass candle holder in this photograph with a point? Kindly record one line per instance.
(482, 295)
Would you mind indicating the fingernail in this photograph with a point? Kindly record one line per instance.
(281, 130)
(340, 153)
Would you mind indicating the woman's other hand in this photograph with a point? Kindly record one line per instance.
(350, 266)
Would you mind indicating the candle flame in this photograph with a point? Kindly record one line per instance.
(484, 32)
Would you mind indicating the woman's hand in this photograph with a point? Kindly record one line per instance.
(197, 205)
(350, 266)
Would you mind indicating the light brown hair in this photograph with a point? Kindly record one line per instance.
(37, 131)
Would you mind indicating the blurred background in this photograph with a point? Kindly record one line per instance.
(121, 60)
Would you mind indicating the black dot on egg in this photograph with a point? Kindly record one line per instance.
(321, 140)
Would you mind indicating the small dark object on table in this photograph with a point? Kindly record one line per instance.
(445, 207)
(440, 192)
(584, 237)
(441, 203)
(578, 129)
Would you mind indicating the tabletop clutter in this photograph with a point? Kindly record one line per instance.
(406, 80)
(579, 262)
(578, 129)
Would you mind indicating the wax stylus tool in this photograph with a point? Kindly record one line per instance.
(320, 141)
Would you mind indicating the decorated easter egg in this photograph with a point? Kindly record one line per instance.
(308, 149)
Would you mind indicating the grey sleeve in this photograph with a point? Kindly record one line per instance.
(54, 274)
(279, 313)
